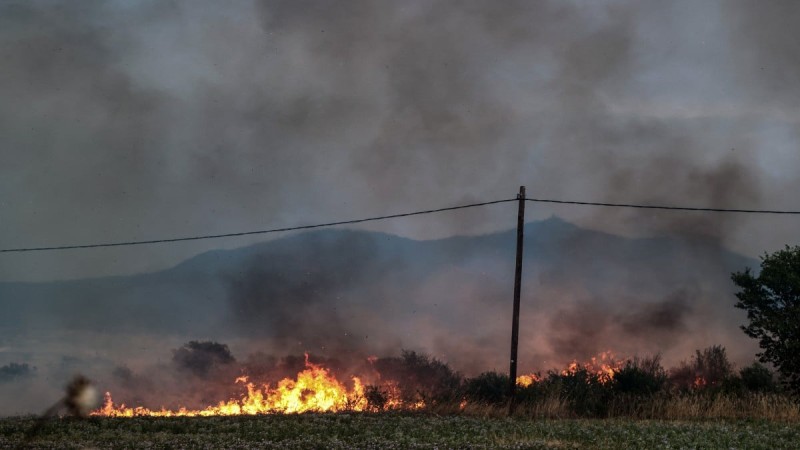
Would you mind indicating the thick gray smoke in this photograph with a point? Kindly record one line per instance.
(124, 121)
(156, 119)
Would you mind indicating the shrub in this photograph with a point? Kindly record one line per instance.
(712, 365)
(488, 387)
(640, 377)
(683, 377)
(731, 385)
(708, 368)
(758, 378)
(581, 389)
(421, 378)
(376, 398)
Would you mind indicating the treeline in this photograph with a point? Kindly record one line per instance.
(16, 371)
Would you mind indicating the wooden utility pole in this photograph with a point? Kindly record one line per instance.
(512, 372)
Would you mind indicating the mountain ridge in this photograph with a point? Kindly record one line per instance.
(582, 289)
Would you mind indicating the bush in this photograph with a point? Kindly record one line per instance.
(421, 378)
(708, 368)
(758, 378)
(581, 389)
(640, 377)
(488, 387)
(376, 398)
(712, 365)
(731, 385)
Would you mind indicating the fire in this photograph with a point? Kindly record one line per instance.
(699, 382)
(313, 390)
(527, 380)
(604, 366)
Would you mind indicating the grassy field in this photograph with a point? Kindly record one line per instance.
(387, 431)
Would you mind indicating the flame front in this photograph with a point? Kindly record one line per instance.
(604, 366)
(314, 389)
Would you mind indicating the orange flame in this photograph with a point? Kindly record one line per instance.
(527, 380)
(699, 382)
(314, 389)
(604, 366)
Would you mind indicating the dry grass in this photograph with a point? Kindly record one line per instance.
(754, 406)
(773, 407)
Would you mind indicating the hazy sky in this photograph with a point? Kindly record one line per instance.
(126, 120)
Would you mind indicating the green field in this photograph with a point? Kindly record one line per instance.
(387, 431)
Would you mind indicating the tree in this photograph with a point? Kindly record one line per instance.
(772, 302)
(200, 357)
(15, 371)
(708, 368)
(640, 376)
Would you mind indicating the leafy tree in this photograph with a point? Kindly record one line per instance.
(772, 302)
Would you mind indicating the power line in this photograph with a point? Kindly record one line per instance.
(394, 216)
(246, 233)
(674, 208)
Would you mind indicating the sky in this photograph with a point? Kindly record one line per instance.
(134, 120)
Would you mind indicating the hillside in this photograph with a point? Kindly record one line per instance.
(342, 290)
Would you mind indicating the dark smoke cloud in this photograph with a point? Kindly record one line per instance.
(303, 293)
(665, 317)
(588, 328)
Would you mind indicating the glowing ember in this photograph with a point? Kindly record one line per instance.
(699, 382)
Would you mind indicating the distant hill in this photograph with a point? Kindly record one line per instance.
(342, 290)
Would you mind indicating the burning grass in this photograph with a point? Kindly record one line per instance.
(314, 389)
(602, 387)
